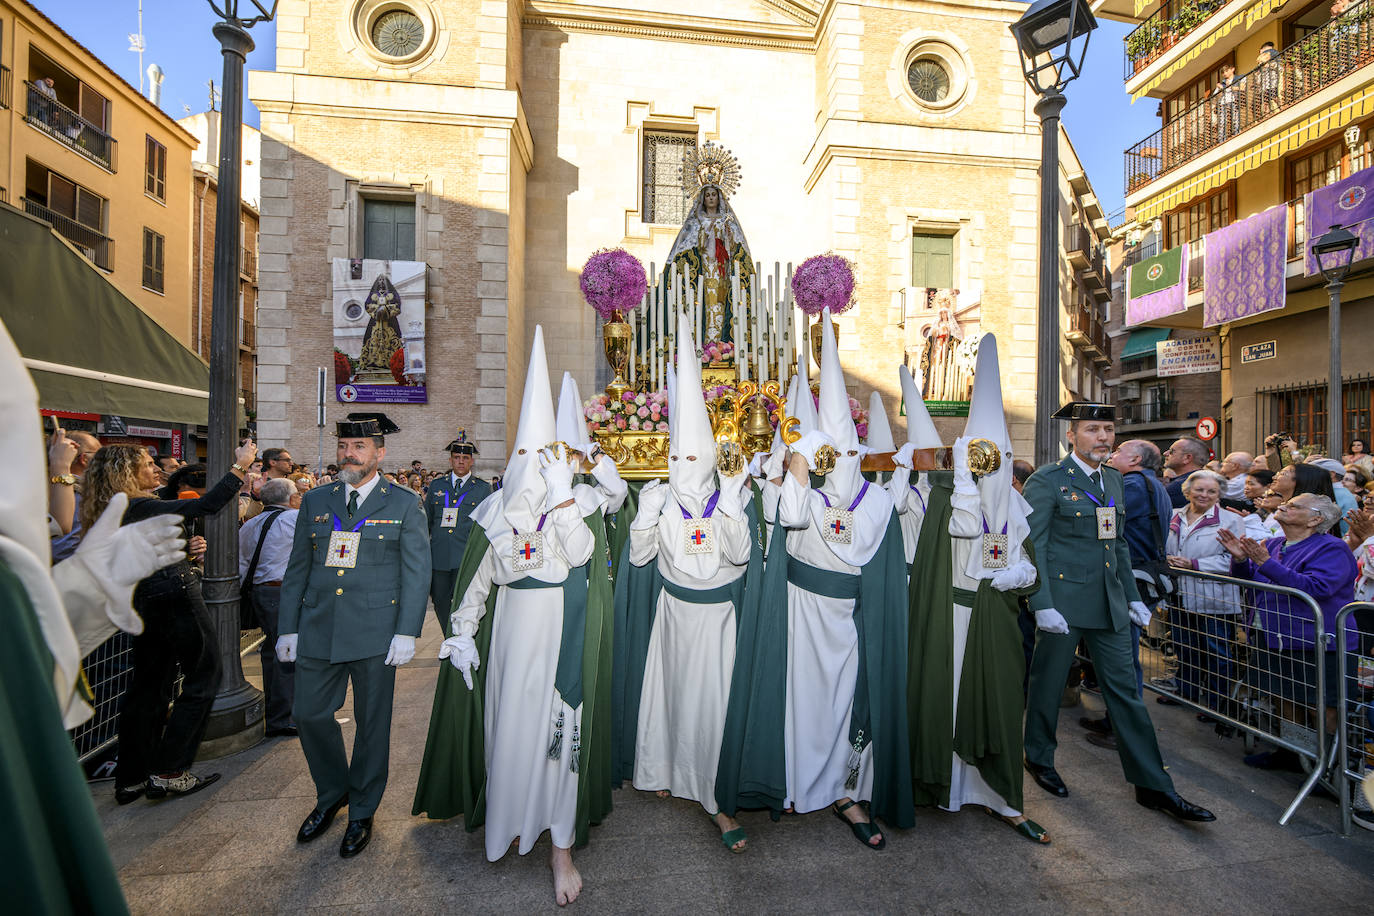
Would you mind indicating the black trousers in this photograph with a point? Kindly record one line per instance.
(278, 678)
(176, 631)
(441, 585)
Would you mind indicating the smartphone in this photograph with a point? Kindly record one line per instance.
(1240, 505)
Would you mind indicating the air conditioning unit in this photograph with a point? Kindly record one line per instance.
(1128, 391)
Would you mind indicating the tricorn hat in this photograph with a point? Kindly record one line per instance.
(461, 445)
(1085, 410)
(365, 426)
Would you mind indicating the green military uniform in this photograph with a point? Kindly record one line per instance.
(346, 618)
(1088, 579)
(447, 542)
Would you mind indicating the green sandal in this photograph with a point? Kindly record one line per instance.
(1027, 828)
(862, 832)
(730, 837)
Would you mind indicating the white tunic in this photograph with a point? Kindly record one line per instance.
(691, 655)
(910, 502)
(823, 650)
(967, 786)
(527, 793)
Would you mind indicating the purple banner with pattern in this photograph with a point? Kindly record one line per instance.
(1243, 272)
(1345, 203)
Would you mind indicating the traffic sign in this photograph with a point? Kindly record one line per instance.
(1207, 429)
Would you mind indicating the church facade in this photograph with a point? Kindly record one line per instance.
(499, 143)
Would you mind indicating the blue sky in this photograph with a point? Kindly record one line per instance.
(1099, 116)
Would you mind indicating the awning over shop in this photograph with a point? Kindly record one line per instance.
(1142, 342)
(87, 346)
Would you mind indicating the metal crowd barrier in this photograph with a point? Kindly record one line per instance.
(1355, 737)
(1207, 649)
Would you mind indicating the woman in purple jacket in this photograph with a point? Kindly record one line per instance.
(1311, 560)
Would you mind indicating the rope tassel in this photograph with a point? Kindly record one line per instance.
(855, 752)
(556, 745)
(574, 763)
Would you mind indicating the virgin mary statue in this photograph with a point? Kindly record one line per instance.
(710, 246)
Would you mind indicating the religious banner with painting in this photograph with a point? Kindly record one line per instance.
(1349, 203)
(379, 331)
(949, 327)
(1157, 286)
(1244, 271)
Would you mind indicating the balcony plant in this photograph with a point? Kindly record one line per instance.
(1142, 44)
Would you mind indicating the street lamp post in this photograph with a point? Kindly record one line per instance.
(1334, 253)
(236, 717)
(1051, 57)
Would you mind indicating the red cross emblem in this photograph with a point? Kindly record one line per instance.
(995, 551)
(343, 551)
(698, 536)
(1106, 524)
(528, 551)
(836, 524)
(1351, 198)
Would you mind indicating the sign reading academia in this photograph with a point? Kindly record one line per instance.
(1189, 356)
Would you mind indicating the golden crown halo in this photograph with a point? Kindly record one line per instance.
(710, 164)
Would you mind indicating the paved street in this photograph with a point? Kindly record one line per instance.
(232, 848)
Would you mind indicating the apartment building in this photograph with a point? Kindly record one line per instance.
(81, 149)
(1260, 103)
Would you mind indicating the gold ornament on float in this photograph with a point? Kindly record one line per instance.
(984, 457)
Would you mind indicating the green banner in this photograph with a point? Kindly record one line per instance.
(1161, 272)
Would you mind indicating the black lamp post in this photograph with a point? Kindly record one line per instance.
(1053, 38)
(1334, 253)
(236, 718)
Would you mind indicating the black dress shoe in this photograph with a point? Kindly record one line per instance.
(356, 837)
(1172, 803)
(1102, 726)
(1107, 741)
(285, 731)
(126, 794)
(318, 821)
(1048, 779)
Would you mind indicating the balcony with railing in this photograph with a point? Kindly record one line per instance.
(1166, 27)
(1151, 412)
(6, 86)
(1319, 59)
(1087, 331)
(67, 127)
(96, 246)
(248, 335)
(248, 263)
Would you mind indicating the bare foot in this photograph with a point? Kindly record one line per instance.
(726, 823)
(567, 880)
(664, 793)
(856, 814)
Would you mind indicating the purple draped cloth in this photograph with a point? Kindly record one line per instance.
(1344, 203)
(1243, 272)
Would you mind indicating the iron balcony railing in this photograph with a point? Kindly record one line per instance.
(1153, 412)
(1323, 57)
(1165, 28)
(1087, 330)
(248, 334)
(6, 86)
(67, 127)
(248, 263)
(96, 246)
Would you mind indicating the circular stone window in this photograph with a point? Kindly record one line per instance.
(398, 33)
(929, 80)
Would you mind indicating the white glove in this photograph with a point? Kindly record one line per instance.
(963, 477)
(402, 650)
(775, 463)
(1051, 621)
(461, 651)
(1140, 614)
(558, 475)
(118, 557)
(807, 445)
(734, 494)
(1020, 575)
(286, 648)
(652, 499)
(904, 455)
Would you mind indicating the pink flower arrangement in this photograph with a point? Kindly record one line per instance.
(613, 280)
(824, 281)
(717, 351)
(634, 411)
(857, 412)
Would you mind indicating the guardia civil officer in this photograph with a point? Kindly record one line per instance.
(1088, 593)
(352, 604)
(449, 502)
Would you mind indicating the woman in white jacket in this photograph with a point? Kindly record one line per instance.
(1204, 625)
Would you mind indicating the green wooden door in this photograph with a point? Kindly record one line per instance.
(932, 261)
(389, 230)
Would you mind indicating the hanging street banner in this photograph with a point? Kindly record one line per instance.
(1348, 203)
(1244, 273)
(379, 331)
(1157, 286)
(1189, 356)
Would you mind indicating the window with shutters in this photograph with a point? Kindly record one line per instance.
(1192, 222)
(389, 229)
(153, 245)
(155, 169)
(665, 197)
(932, 260)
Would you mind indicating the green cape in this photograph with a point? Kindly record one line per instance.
(52, 845)
(988, 732)
(453, 776)
(636, 605)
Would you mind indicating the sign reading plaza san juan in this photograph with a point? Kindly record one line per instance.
(1253, 353)
(1190, 356)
